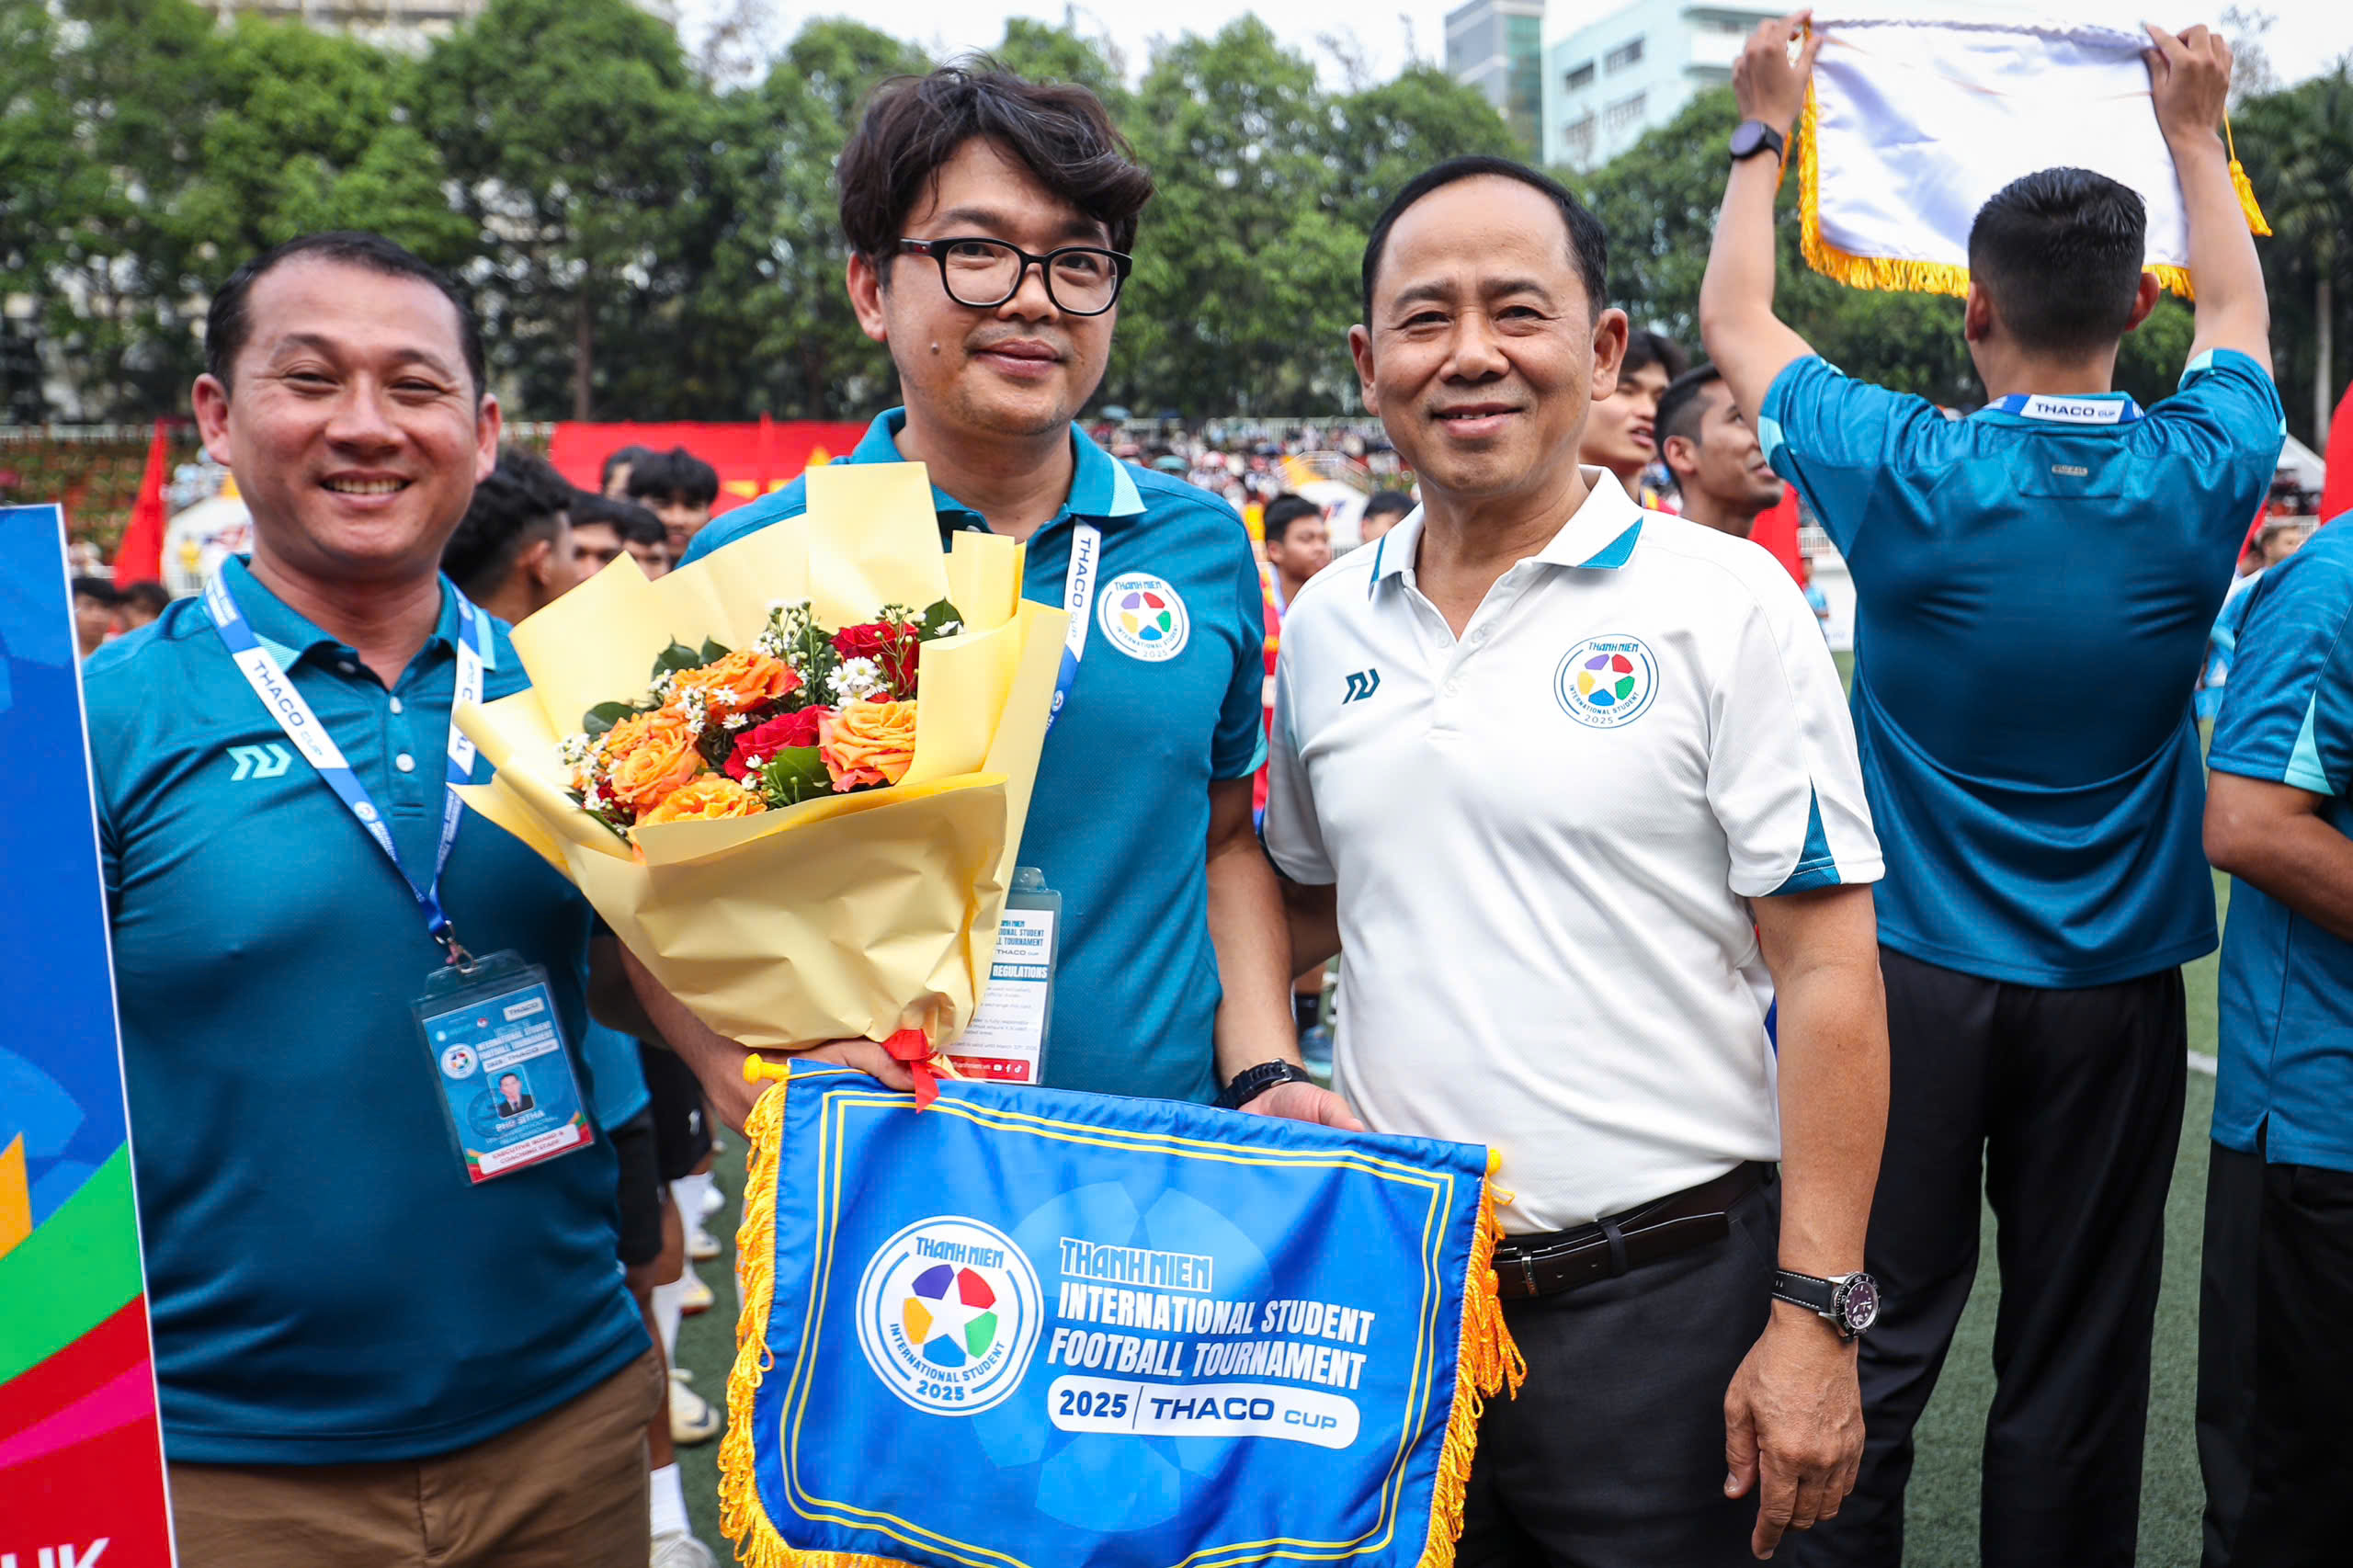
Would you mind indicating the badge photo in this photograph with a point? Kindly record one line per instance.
(1143, 618)
(1604, 682)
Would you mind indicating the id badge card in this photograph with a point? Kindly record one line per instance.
(507, 1081)
(1005, 1042)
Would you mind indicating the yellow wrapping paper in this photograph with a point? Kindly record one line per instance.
(851, 915)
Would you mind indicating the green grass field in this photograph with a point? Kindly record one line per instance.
(1942, 1530)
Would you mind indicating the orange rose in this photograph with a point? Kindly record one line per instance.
(706, 799)
(738, 683)
(868, 743)
(648, 756)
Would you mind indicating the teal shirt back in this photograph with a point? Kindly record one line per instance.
(1168, 697)
(2032, 598)
(325, 1285)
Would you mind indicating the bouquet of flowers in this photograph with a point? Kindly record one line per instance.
(806, 825)
(802, 713)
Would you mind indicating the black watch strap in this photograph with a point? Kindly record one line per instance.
(1804, 1290)
(1754, 136)
(1251, 1082)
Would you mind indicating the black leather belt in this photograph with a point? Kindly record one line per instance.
(1562, 1260)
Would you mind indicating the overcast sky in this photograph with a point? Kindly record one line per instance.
(2308, 35)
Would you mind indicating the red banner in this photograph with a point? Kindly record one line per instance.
(752, 459)
(2337, 496)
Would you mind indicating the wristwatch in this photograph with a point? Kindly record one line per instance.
(1754, 136)
(1851, 1302)
(1251, 1082)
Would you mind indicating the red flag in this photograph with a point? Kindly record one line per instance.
(139, 559)
(2337, 489)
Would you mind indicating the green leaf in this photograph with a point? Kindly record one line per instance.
(714, 652)
(676, 657)
(794, 775)
(600, 719)
(937, 618)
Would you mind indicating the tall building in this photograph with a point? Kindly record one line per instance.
(1497, 46)
(1611, 79)
(394, 24)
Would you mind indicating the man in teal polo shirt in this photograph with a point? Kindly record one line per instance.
(365, 1356)
(2033, 589)
(988, 220)
(2275, 1368)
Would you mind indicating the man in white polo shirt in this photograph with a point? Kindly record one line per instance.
(1568, 778)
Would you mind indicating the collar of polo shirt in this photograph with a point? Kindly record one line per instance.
(1599, 536)
(289, 637)
(1101, 488)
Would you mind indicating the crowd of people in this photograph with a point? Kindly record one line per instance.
(1754, 992)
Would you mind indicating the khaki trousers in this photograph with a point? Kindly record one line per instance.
(567, 1490)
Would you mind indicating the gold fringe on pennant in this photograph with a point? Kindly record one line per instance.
(2256, 223)
(741, 1516)
(1909, 277)
(1488, 1364)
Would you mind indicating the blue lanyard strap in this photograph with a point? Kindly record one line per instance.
(2114, 408)
(1078, 599)
(294, 716)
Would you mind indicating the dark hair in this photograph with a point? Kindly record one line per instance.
(518, 503)
(99, 588)
(1678, 406)
(227, 324)
(677, 476)
(1283, 511)
(1059, 131)
(1385, 501)
(147, 593)
(2060, 254)
(1645, 348)
(630, 523)
(1588, 246)
(629, 455)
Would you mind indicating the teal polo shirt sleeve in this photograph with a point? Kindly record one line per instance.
(1239, 749)
(2226, 425)
(2288, 711)
(1836, 437)
(2285, 1040)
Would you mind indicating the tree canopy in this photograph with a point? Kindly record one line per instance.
(652, 237)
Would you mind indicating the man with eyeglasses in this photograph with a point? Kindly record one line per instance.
(988, 220)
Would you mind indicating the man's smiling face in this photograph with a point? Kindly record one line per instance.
(1483, 354)
(350, 420)
(1021, 368)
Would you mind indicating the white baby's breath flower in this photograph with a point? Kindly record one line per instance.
(950, 627)
(860, 678)
(770, 643)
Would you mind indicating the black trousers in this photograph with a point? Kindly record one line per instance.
(2065, 1108)
(2226, 1342)
(2278, 1435)
(1613, 1454)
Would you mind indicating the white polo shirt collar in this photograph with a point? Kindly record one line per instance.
(1599, 536)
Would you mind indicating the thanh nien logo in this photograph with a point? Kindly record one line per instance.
(948, 1314)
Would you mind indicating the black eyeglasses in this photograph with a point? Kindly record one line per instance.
(1082, 280)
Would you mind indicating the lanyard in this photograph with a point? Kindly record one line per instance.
(1078, 599)
(2105, 410)
(303, 727)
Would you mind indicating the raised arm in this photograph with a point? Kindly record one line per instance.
(1747, 342)
(2190, 79)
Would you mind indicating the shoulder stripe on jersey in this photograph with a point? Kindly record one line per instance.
(1816, 867)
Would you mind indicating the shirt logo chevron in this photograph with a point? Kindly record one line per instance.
(1362, 683)
(260, 761)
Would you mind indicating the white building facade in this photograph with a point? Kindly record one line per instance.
(1611, 79)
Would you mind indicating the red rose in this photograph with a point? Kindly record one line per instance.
(779, 734)
(867, 642)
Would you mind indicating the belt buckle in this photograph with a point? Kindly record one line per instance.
(1528, 1272)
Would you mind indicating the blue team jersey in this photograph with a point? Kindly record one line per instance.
(1169, 698)
(325, 1285)
(618, 1091)
(2286, 984)
(2032, 593)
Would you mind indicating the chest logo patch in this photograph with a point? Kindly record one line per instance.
(1604, 682)
(1143, 618)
